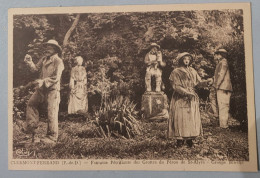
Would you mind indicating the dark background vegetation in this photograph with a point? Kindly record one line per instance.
(113, 46)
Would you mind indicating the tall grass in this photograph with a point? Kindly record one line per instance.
(118, 118)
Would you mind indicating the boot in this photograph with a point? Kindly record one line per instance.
(189, 143)
(34, 138)
(48, 140)
(30, 139)
(180, 143)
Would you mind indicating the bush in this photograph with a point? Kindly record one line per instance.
(20, 100)
(118, 118)
(236, 60)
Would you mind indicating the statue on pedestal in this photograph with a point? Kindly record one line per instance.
(154, 103)
(153, 60)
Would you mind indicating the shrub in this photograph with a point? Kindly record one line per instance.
(118, 118)
(238, 101)
(20, 100)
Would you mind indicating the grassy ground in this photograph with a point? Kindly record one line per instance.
(78, 139)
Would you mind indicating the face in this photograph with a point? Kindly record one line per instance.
(79, 61)
(154, 50)
(217, 56)
(50, 50)
(186, 60)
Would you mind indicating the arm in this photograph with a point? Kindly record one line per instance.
(159, 59)
(49, 81)
(33, 67)
(85, 79)
(202, 83)
(180, 90)
(221, 73)
(198, 81)
(176, 84)
(147, 61)
(38, 66)
(71, 85)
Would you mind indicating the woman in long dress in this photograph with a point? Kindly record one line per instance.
(184, 116)
(78, 100)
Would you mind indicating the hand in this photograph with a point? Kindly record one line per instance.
(71, 87)
(210, 81)
(191, 95)
(40, 82)
(28, 58)
(159, 55)
(149, 63)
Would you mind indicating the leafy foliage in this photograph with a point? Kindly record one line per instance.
(118, 118)
(114, 45)
(20, 102)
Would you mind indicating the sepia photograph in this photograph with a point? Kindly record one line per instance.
(158, 87)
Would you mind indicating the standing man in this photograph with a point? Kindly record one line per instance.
(153, 61)
(222, 84)
(50, 67)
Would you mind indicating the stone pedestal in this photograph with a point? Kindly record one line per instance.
(155, 106)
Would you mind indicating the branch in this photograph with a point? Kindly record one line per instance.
(73, 26)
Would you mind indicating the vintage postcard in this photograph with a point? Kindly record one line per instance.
(146, 87)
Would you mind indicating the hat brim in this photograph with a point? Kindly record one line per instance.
(223, 51)
(157, 46)
(181, 56)
(58, 48)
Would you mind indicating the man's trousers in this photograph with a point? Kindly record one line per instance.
(39, 97)
(158, 78)
(223, 98)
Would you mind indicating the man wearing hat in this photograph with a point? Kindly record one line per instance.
(50, 67)
(153, 60)
(223, 86)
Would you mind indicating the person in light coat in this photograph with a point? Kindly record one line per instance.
(50, 67)
(223, 86)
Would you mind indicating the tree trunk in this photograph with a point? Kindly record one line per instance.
(73, 26)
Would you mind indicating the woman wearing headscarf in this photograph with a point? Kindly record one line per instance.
(184, 115)
(78, 100)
